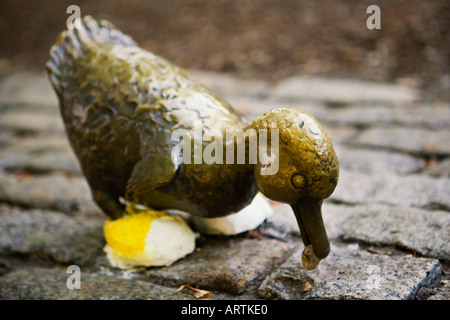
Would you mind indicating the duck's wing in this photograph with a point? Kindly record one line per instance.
(110, 93)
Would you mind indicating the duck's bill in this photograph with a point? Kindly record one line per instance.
(312, 229)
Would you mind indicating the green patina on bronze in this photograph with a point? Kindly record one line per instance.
(120, 105)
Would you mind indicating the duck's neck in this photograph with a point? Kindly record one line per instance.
(255, 144)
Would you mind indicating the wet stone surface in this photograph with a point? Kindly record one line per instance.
(415, 190)
(51, 236)
(232, 265)
(388, 220)
(41, 154)
(410, 140)
(378, 161)
(50, 191)
(42, 283)
(352, 274)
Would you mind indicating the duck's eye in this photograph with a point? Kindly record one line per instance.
(298, 181)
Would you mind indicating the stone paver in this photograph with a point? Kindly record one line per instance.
(444, 293)
(352, 274)
(414, 190)
(411, 140)
(30, 123)
(418, 231)
(388, 220)
(432, 116)
(45, 154)
(340, 91)
(50, 284)
(426, 233)
(52, 236)
(27, 88)
(229, 265)
(35, 144)
(440, 168)
(228, 85)
(378, 161)
(52, 191)
(42, 162)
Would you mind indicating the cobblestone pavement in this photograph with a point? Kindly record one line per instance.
(388, 220)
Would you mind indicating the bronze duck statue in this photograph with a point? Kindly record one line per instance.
(121, 104)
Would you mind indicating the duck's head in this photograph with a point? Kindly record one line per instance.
(308, 171)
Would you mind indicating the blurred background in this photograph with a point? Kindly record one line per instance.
(256, 38)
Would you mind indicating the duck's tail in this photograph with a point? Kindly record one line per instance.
(73, 43)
